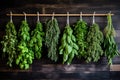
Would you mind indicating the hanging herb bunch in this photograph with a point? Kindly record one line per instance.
(68, 47)
(51, 38)
(94, 40)
(80, 32)
(25, 54)
(37, 39)
(110, 46)
(9, 43)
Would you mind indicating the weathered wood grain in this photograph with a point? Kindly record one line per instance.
(45, 69)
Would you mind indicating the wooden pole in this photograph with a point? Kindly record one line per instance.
(59, 15)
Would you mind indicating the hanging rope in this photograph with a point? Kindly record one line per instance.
(67, 18)
(93, 17)
(53, 15)
(80, 16)
(11, 17)
(38, 17)
(25, 16)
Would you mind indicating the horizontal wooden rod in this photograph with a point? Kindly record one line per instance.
(61, 15)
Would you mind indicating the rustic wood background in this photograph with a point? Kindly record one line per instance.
(45, 69)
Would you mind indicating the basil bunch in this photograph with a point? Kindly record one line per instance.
(80, 32)
(68, 47)
(36, 40)
(25, 54)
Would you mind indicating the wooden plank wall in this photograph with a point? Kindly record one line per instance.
(45, 69)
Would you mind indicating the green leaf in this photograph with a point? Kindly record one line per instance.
(26, 66)
(21, 66)
(69, 49)
(65, 57)
(73, 38)
(75, 46)
(68, 39)
(17, 61)
(36, 48)
(61, 51)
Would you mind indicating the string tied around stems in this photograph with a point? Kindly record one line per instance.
(25, 16)
(80, 16)
(93, 17)
(68, 21)
(38, 19)
(53, 15)
(11, 17)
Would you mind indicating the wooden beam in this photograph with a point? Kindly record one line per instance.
(60, 15)
(115, 67)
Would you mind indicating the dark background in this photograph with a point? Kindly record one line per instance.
(45, 69)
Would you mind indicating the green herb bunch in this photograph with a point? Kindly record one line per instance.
(68, 47)
(9, 43)
(36, 40)
(25, 54)
(110, 46)
(51, 38)
(94, 40)
(80, 32)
